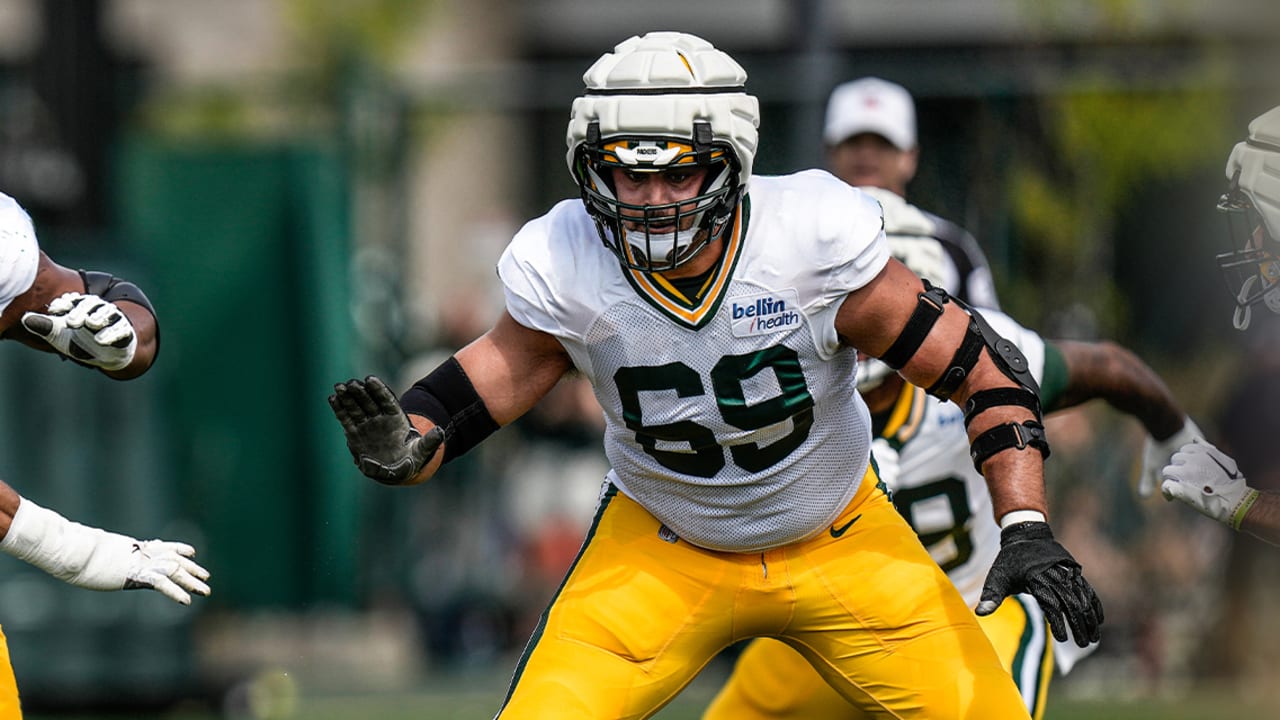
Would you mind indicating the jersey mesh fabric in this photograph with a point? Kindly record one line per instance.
(736, 509)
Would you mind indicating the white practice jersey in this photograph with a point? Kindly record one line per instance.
(19, 252)
(940, 251)
(733, 419)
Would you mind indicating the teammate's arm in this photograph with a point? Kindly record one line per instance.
(1107, 371)
(96, 559)
(113, 330)
(941, 347)
(1208, 480)
(488, 384)
(1263, 519)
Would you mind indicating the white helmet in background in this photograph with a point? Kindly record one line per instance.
(1252, 202)
(908, 232)
(660, 101)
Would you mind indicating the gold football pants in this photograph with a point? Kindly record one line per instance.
(10, 709)
(773, 682)
(639, 614)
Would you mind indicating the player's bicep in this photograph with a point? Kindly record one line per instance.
(511, 367)
(873, 317)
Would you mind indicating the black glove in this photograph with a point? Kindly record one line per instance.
(1031, 561)
(383, 444)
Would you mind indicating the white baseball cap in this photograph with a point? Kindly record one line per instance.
(871, 105)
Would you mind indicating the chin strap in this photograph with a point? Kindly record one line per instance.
(1243, 313)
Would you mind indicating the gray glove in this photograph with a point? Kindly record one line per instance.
(86, 328)
(383, 444)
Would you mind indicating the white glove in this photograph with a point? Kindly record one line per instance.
(95, 559)
(1201, 476)
(86, 328)
(1156, 454)
(887, 462)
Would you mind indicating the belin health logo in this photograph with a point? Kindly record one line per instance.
(765, 314)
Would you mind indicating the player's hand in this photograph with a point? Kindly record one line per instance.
(383, 444)
(86, 328)
(1031, 561)
(1205, 478)
(100, 560)
(167, 568)
(1156, 454)
(96, 559)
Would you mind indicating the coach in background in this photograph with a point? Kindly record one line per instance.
(870, 135)
(1199, 474)
(104, 323)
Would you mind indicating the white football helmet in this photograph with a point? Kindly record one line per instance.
(660, 101)
(1252, 204)
(909, 234)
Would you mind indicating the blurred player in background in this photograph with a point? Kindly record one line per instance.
(1200, 475)
(104, 323)
(870, 134)
(719, 330)
(923, 449)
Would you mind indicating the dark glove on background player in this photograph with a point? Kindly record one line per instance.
(1031, 561)
(383, 444)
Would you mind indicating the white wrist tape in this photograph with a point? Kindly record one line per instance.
(1018, 516)
(69, 551)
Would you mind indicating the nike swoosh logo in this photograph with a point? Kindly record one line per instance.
(838, 531)
(1233, 475)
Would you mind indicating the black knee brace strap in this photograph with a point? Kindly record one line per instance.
(962, 362)
(928, 310)
(986, 399)
(447, 398)
(1019, 436)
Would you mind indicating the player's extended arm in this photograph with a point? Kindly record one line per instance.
(1209, 480)
(1112, 373)
(939, 346)
(489, 383)
(91, 317)
(95, 559)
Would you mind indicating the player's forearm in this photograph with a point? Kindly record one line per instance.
(1015, 477)
(1110, 372)
(1263, 519)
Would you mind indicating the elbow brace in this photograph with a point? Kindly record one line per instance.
(114, 289)
(1007, 358)
(447, 398)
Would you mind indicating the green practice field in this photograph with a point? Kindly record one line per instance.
(468, 698)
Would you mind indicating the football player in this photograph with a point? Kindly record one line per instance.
(1201, 475)
(719, 328)
(870, 136)
(101, 322)
(936, 488)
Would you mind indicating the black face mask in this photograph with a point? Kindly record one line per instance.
(1250, 267)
